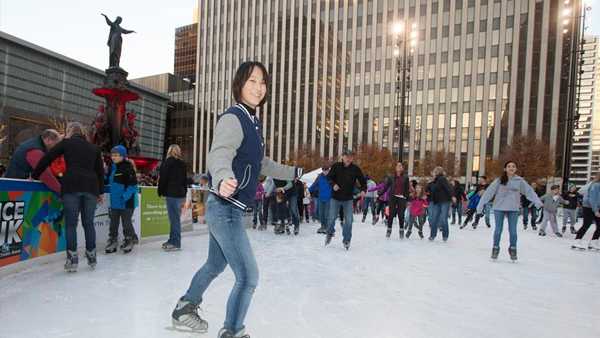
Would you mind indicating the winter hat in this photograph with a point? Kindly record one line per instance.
(119, 150)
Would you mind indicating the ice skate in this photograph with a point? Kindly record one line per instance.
(421, 234)
(594, 245)
(364, 218)
(542, 233)
(401, 233)
(578, 245)
(72, 261)
(495, 252)
(573, 231)
(91, 258)
(296, 230)
(347, 245)
(328, 239)
(228, 334)
(127, 245)
(111, 246)
(388, 233)
(564, 229)
(408, 233)
(558, 234)
(512, 251)
(185, 316)
(170, 247)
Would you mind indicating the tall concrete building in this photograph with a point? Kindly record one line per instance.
(480, 73)
(583, 136)
(595, 167)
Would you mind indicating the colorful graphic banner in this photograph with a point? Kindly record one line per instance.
(31, 221)
(153, 213)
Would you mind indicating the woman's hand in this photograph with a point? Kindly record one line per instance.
(228, 187)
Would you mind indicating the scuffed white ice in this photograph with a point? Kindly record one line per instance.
(379, 289)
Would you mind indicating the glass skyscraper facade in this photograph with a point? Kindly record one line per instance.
(482, 72)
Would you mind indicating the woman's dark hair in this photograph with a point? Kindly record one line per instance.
(243, 74)
(504, 177)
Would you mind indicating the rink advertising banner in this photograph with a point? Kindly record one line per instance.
(31, 221)
(153, 213)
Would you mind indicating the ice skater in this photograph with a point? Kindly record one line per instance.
(551, 202)
(400, 190)
(343, 177)
(591, 214)
(235, 161)
(472, 209)
(570, 210)
(506, 192)
(417, 211)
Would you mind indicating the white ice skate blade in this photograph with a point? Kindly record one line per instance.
(183, 328)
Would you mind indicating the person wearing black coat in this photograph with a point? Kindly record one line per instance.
(400, 188)
(458, 197)
(82, 188)
(172, 184)
(440, 194)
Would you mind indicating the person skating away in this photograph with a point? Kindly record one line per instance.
(570, 210)
(343, 177)
(506, 192)
(258, 208)
(370, 199)
(591, 214)
(400, 190)
(382, 200)
(458, 197)
(235, 161)
(122, 180)
(440, 195)
(551, 201)
(417, 211)
(472, 210)
(322, 189)
(269, 201)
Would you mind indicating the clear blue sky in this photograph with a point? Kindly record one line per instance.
(76, 29)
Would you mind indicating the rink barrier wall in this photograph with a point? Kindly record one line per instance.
(32, 222)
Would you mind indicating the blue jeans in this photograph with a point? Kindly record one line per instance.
(74, 204)
(294, 212)
(369, 202)
(228, 245)
(529, 210)
(174, 209)
(457, 209)
(323, 212)
(334, 208)
(513, 217)
(438, 218)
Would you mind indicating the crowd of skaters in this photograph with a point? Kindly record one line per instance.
(342, 189)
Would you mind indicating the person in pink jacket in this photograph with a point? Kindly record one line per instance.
(417, 211)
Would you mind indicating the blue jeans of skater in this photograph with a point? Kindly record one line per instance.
(334, 207)
(529, 211)
(294, 212)
(369, 203)
(174, 205)
(228, 245)
(323, 212)
(513, 217)
(438, 218)
(85, 204)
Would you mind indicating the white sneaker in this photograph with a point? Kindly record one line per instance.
(578, 245)
(594, 245)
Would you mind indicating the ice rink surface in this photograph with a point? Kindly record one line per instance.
(379, 289)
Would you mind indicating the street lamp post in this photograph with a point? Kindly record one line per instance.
(403, 52)
(573, 26)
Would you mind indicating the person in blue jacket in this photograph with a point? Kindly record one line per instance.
(322, 188)
(123, 199)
